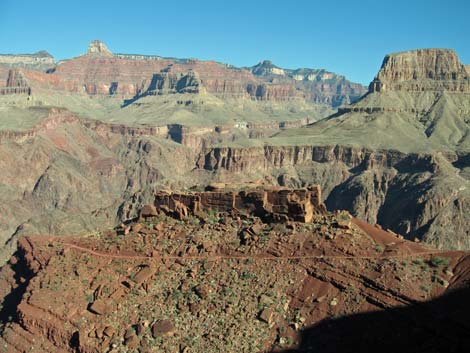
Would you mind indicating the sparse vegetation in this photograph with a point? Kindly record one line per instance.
(438, 261)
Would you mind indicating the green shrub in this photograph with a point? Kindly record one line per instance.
(437, 261)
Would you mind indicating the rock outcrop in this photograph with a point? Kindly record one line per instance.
(422, 70)
(275, 204)
(317, 85)
(168, 83)
(16, 84)
(98, 48)
(41, 60)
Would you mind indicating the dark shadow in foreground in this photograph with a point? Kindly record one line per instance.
(440, 325)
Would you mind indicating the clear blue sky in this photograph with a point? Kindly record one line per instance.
(347, 37)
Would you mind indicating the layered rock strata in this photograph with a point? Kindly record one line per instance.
(16, 84)
(100, 72)
(279, 204)
(422, 70)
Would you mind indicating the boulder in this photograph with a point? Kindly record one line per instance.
(163, 328)
(148, 211)
(267, 315)
(100, 307)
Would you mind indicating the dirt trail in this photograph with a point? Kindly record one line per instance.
(243, 257)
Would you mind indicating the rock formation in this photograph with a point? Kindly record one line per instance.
(422, 70)
(418, 102)
(103, 73)
(275, 204)
(319, 85)
(98, 48)
(41, 60)
(16, 84)
(266, 68)
(167, 83)
(257, 252)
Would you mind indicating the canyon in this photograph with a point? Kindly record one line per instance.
(121, 146)
(162, 204)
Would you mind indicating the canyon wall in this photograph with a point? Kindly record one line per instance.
(16, 84)
(414, 194)
(100, 72)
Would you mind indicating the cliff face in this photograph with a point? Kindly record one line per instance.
(418, 102)
(167, 83)
(40, 61)
(413, 194)
(16, 84)
(317, 85)
(101, 72)
(98, 48)
(423, 69)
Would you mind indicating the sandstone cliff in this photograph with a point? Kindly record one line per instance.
(417, 102)
(16, 84)
(98, 48)
(41, 60)
(167, 83)
(420, 70)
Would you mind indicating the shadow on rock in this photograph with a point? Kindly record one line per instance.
(439, 325)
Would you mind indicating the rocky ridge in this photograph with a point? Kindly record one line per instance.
(148, 283)
(41, 60)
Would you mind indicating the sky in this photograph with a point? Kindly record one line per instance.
(347, 37)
